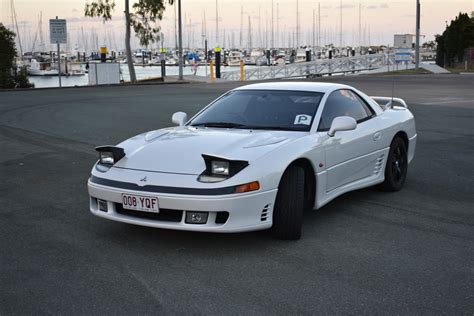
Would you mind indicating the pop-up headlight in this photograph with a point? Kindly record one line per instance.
(106, 158)
(109, 155)
(219, 169)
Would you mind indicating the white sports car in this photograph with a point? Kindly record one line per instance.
(256, 158)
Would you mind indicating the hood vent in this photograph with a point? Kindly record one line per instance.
(264, 215)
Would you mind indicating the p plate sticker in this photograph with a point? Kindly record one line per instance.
(303, 119)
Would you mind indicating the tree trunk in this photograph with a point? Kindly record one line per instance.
(128, 49)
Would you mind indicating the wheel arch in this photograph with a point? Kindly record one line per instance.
(310, 180)
(403, 135)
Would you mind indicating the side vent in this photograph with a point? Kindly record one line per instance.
(264, 215)
(378, 165)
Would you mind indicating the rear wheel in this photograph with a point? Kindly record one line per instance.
(289, 205)
(397, 166)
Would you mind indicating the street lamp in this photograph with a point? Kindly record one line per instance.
(180, 42)
(417, 41)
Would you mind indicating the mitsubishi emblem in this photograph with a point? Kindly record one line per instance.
(143, 180)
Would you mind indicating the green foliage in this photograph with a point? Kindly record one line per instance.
(101, 8)
(143, 18)
(429, 45)
(452, 44)
(9, 76)
(21, 78)
(7, 57)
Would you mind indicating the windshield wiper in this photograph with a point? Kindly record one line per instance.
(276, 128)
(219, 124)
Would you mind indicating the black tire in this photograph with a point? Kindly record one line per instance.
(396, 167)
(289, 205)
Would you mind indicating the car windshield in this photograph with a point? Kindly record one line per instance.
(262, 109)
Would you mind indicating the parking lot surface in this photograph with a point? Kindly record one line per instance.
(410, 252)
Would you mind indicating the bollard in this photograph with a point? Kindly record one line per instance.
(242, 73)
(163, 68)
(103, 54)
(218, 62)
(211, 67)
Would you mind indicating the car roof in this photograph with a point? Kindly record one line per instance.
(323, 87)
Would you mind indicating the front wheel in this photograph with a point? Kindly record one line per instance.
(397, 166)
(289, 205)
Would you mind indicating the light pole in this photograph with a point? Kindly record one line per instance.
(217, 25)
(417, 41)
(180, 42)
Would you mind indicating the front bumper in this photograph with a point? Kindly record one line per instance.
(246, 212)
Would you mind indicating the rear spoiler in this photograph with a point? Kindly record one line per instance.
(388, 102)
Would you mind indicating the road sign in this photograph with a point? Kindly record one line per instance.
(58, 31)
(402, 55)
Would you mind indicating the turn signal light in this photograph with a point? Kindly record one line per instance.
(248, 187)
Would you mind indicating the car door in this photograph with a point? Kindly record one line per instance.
(350, 155)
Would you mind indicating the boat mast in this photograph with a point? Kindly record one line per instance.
(15, 24)
(241, 26)
(278, 25)
(340, 28)
(250, 35)
(176, 28)
(314, 29)
(260, 26)
(217, 24)
(297, 24)
(360, 27)
(273, 35)
(319, 24)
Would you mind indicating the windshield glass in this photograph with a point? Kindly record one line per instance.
(262, 109)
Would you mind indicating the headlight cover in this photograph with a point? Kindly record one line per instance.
(219, 169)
(109, 155)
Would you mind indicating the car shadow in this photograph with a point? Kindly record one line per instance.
(156, 239)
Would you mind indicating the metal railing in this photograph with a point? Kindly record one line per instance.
(313, 68)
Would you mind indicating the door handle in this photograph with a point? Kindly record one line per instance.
(377, 136)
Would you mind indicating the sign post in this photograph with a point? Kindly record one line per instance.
(58, 35)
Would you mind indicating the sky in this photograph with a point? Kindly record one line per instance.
(380, 20)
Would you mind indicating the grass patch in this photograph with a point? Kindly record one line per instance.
(419, 71)
(459, 70)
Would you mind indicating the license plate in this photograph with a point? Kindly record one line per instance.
(140, 203)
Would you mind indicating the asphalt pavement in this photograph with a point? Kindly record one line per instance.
(367, 252)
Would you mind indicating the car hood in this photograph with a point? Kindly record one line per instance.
(180, 150)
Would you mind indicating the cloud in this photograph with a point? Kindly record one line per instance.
(24, 23)
(346, 6)
(214, 19)
(86, 19)
(380, 6)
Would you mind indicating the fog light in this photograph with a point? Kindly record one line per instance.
(196, 217)
(102, 205)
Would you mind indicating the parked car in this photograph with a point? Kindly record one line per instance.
(255, 159)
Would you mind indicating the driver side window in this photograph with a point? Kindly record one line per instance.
(343, 103)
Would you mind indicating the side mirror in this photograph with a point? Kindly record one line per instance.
(342, 123)
(179, 118)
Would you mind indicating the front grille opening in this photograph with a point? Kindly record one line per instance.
(222, 217)
(165, 215)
